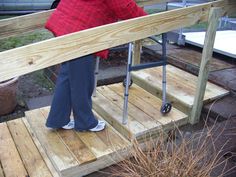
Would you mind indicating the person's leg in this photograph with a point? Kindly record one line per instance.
(81, 77)
(60, 111)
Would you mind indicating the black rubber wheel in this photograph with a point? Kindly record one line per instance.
(166, 108)
(130, 84)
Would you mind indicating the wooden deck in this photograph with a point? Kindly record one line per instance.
(181, 86)
(144, 120)
(28, 148)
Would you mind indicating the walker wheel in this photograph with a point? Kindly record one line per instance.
(166, 108)
(124, 82)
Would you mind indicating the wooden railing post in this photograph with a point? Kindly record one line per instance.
(213, 18)
(137, 52)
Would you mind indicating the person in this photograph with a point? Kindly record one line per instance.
(75, 82)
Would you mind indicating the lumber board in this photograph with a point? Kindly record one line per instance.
(107, 146)
(50, 166)
(27, 23)
(136, 53)
(22, 60)
(74, 143)
(181, 86)
(57, 152)
(204, 67)
(9, 155)
(151, 106)
(29, 153)
(113, 139)
(134, 111)
(22, 24)
(113, 115)
(143, 108)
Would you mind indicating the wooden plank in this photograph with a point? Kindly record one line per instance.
(54, 147)
(9, 155)
(29, 153)
(73, 143)
(151, 106)
(94, 143)
(41, 150)
(181, 86)
(137, 47)
(108, 146)
(18, 25)
(113, 115)
(204, 68)
(135, 112)
(113, 139)
(150, 84)
(40, 55)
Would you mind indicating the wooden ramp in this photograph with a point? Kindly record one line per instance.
(181, 86)
(144, 120)
(29, 148)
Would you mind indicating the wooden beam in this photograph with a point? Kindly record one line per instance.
(22, 60)
(22, 24)
(27, 23)
(215, 14)
(137, 52)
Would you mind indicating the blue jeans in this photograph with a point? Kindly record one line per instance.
(73, 92)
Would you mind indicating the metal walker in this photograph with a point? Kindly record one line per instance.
(166, 106)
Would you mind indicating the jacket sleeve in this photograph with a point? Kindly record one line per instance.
(125, 9)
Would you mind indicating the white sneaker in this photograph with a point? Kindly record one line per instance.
(70, 125)
(100, 126)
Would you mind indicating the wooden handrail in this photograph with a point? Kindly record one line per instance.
(22, 60)
(27, 23)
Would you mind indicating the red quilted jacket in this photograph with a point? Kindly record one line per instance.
(76, 15)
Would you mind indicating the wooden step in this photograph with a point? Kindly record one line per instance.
(74, 153)
(19, 155)
(144, 119)
(181, 86)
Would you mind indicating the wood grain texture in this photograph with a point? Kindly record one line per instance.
(40, 55)
(22, 24)
(50, 166)
(181, 86)
(134, 111)
(113, 115)
(136, 54)
(29, 153)
(9, 155)
(56, 150)
(214, 16)
(151, 105)
(26, 23)
(73, 143)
